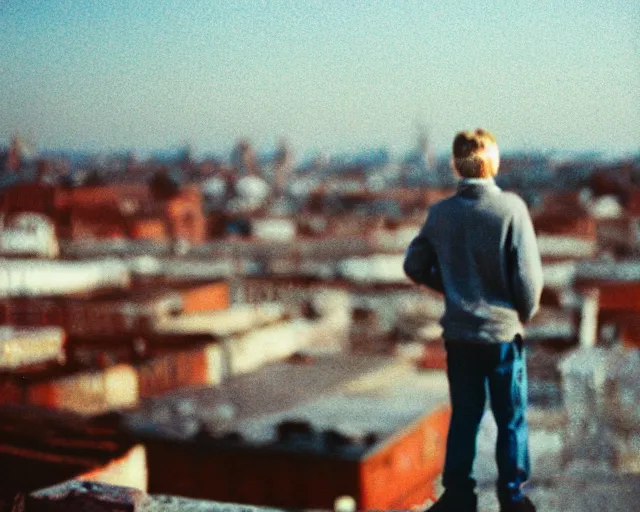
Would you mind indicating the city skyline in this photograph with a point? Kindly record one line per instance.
(326, 76)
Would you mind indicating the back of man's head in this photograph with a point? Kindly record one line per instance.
(475, 154)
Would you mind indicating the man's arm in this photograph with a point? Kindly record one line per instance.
(525, 266)
(421, 263)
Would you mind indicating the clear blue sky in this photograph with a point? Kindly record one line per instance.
(326, 74)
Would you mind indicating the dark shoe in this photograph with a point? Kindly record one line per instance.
(452, 502)
(523, 505)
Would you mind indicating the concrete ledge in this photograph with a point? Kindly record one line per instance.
(85, 496)
(79, 496)
(162, 503)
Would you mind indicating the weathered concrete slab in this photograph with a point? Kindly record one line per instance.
(85, 496)
(82, 496)
(163, 503)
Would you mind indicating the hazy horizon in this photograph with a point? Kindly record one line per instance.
(325, 75)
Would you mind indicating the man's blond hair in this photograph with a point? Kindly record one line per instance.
(475, 154)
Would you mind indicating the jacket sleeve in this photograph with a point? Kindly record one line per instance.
(525, 266)
(421, 262)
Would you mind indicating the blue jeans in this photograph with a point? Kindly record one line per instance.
(472, 368)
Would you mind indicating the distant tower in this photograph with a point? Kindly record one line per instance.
(282, 163)
(14, 160)
(244, 158)
(185, 155)
(20, 151)
(425, 148)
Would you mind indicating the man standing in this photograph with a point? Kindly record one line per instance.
(478, 247)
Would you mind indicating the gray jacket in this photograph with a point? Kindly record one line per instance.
(479, 248)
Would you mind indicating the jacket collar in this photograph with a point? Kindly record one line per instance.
(477, 187)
